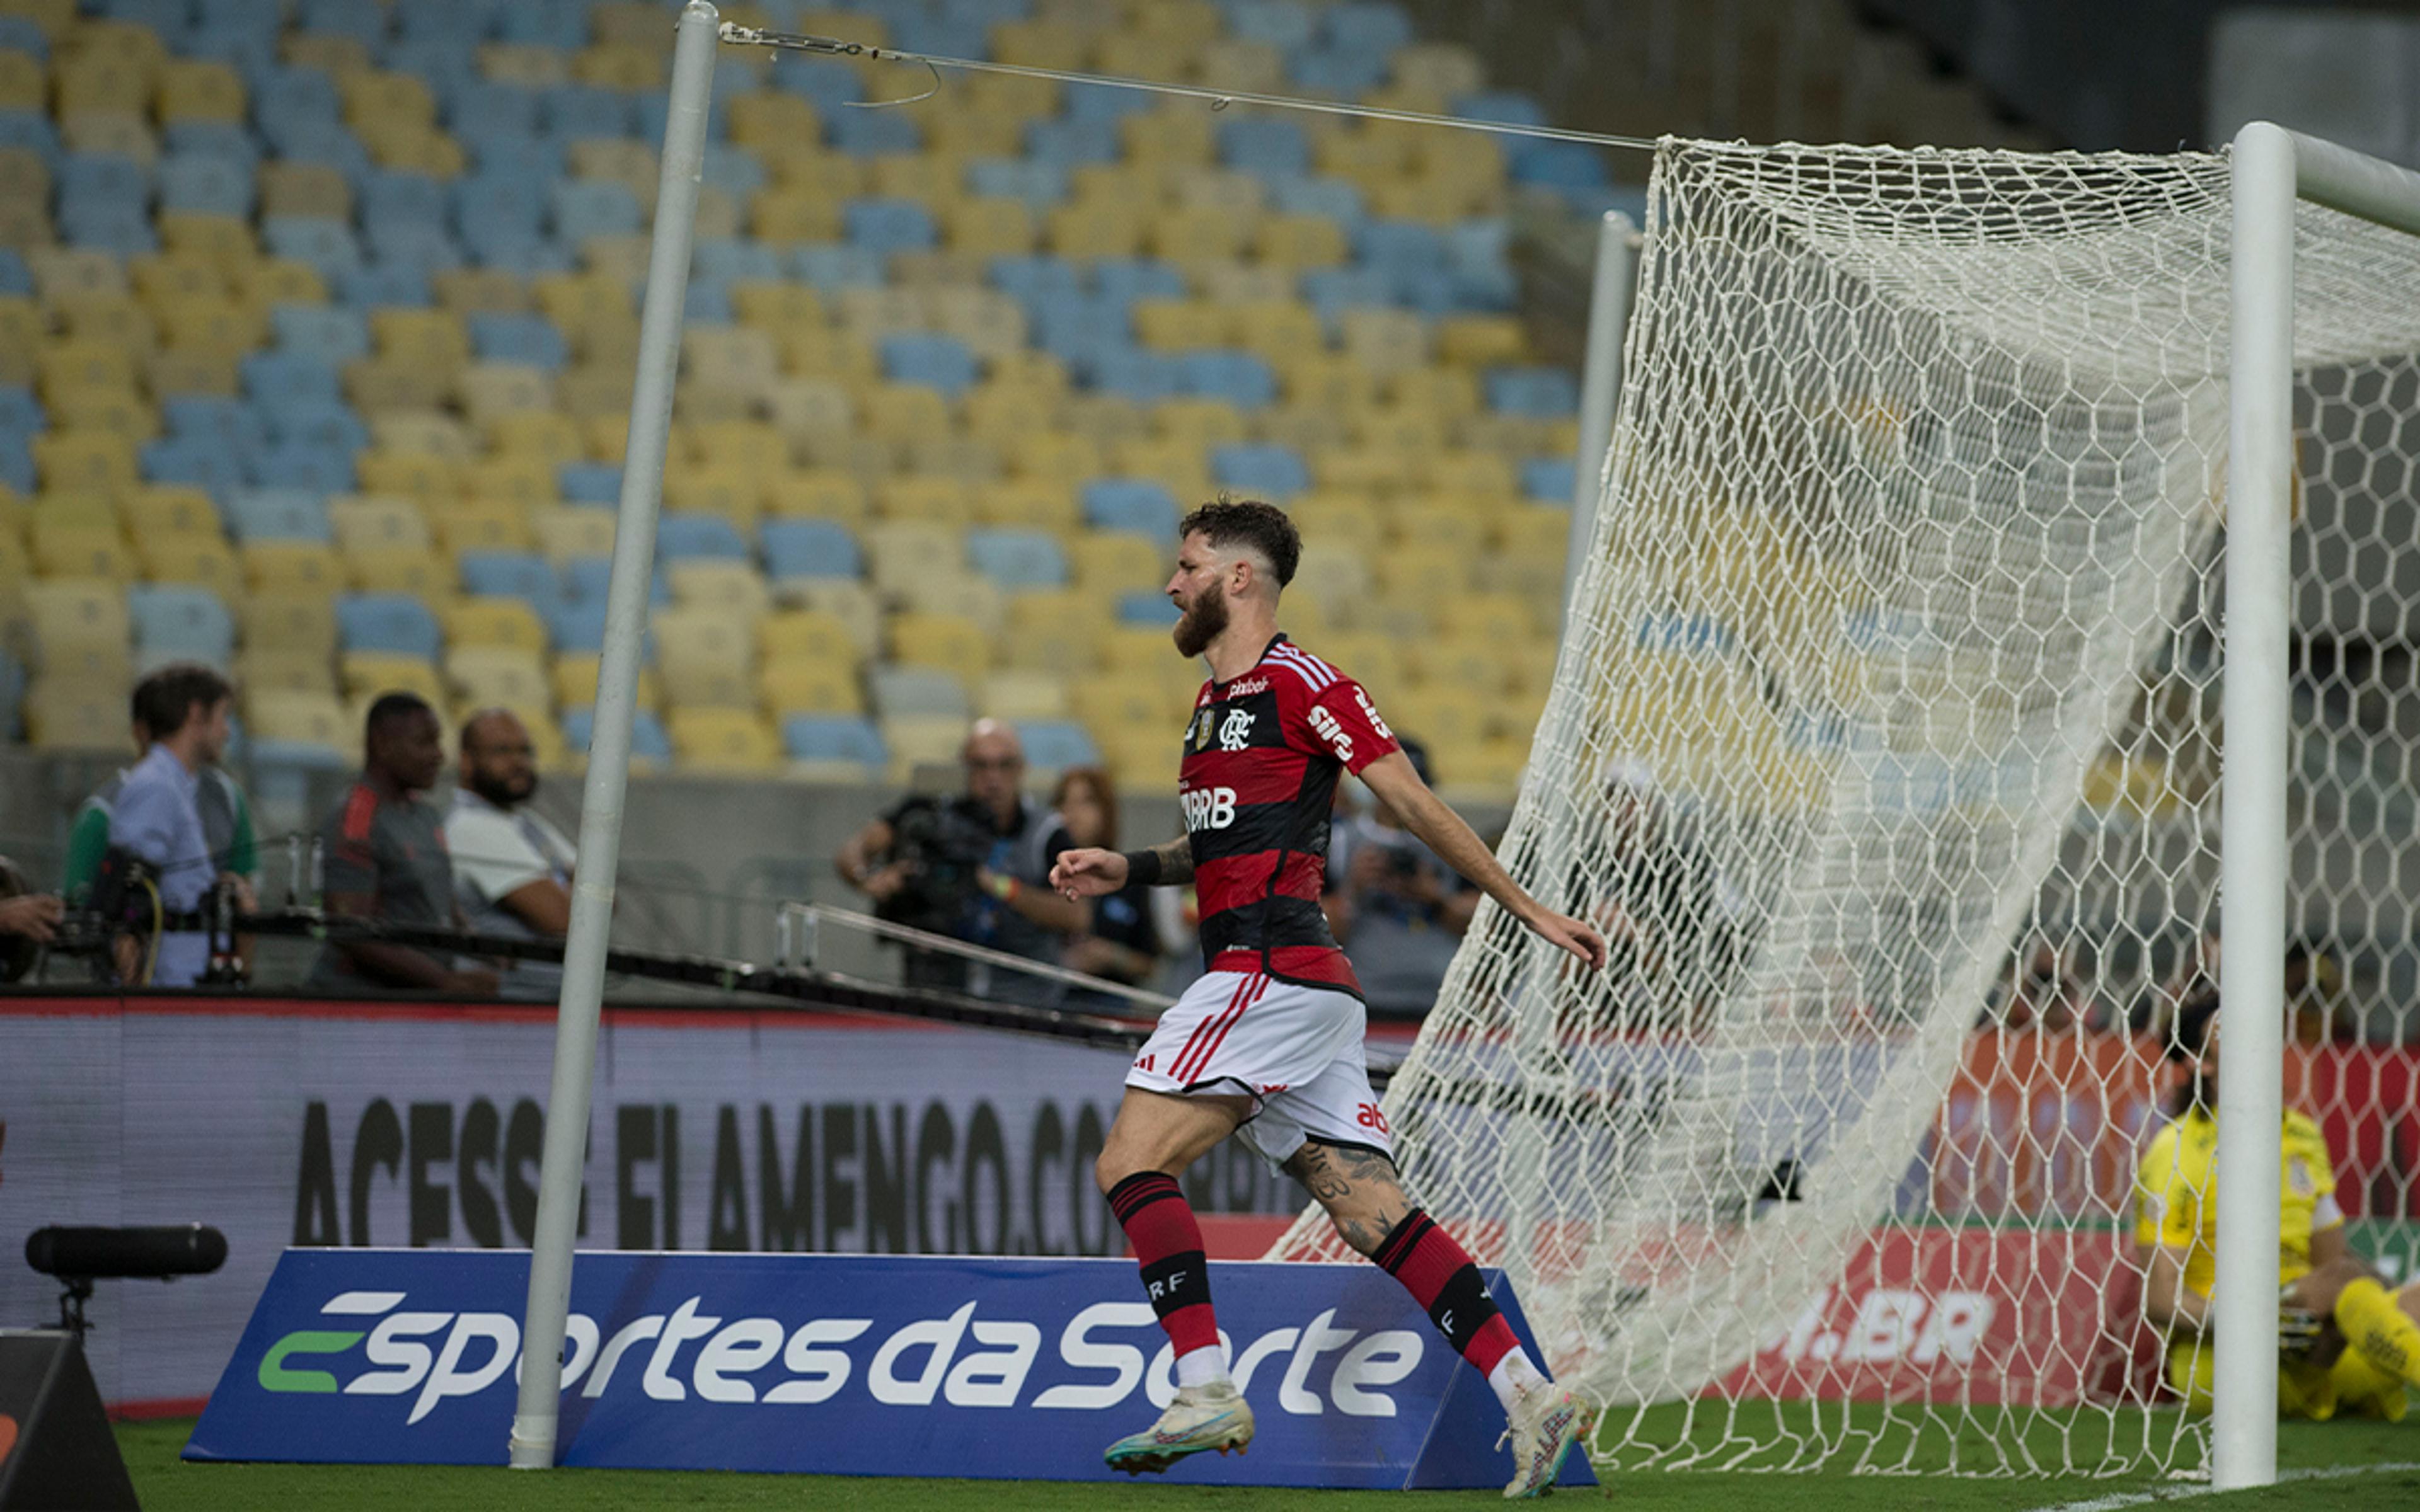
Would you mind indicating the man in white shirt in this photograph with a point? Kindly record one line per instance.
(512, 868)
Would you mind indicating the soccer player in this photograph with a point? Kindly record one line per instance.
(1269, 1045)
(2344, 1341)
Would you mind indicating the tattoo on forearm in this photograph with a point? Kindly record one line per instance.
(1175, 862)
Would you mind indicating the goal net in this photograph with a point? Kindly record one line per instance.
(1883, 747)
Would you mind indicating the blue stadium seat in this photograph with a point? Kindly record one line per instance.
(445, 63)
(1398, 244)
(228, 140)
(810, 548)
(649, 741)
(119, 229)
(485, 202)
(1071, 143)
(585, 208)
(1332, 291)
(533, 257)
(326, 244)
(1056, 745)
(253, 56)
(706, 305)
(869, 133)
(734, 260)
(301, 464)
(1284, 24)
(1336, 72)
(1537, 392)
(23, 34)
(281, 376)
(1017, 560)
(17, 468)
(575, 111)
(830, 266)
(1242, 378)
(589, 482)
(936, 362)
(20, 413)
(1508, 106)
(278, 515)
(1081, 329)
(888, 225)
(472, 20)
(532, 161)
(1550, 480)
(1128, 279)
(327, 423)
(227, 420)
(201, 462)
(1264, 144)
(397, 622)
(528, 339)
(585, 580)
(485, 107)
(523, 574)
(926, 31)
(830, 84)
(685, 534)
(32, 131)
(1107, 103)
(1137, 505)
(425, 245)
(1040, 185)
(204, 185)
(1338, 199)
(392, 195)
(1130, 372)
(181, 621)
(364, 21)
(15, 277)
(558, 23)
(1029, 279)
(102, 177)
(386, 285)
(1146, 607)
(1273, 472)
(734, 169)
(835, 737)
(1559, 165)
(1366, 25)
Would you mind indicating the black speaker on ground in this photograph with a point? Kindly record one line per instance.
(58, 1453)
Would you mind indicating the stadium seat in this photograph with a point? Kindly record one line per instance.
(718, 740)
(803, 686)
(809, 548)
(919, 692)
(835, 748)
(387, 623)
(181, 623)
(679, 535)
(706, 657)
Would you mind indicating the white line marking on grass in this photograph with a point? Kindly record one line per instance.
(2177, 1494)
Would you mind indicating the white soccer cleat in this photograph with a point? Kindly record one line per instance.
(1546, 1421)
(1201, 1417)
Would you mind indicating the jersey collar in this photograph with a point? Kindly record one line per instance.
(1276, 640)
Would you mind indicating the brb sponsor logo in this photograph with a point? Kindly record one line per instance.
(1208, 807)
(379, 1344)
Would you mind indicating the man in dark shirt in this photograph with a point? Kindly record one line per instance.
(983, 858)
(383, 858)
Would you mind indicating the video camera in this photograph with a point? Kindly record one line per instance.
(942, 846)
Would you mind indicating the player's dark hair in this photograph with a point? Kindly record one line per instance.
(165, 700)
(2187, 1038)
(390, 709)
(1265, 528)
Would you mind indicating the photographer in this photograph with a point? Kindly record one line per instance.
(976, 868)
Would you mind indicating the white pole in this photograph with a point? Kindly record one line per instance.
(1600, 381)
(609, 749)
(2252, 912)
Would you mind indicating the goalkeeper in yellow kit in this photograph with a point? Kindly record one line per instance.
(2344, 1343)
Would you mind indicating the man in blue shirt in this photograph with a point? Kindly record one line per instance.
(158, 814)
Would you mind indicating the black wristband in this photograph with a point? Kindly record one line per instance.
(1143, 867)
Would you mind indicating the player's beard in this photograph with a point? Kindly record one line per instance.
(1205, 621)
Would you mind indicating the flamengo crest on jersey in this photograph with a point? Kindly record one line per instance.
(1262, 758)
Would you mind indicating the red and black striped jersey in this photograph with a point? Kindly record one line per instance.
(1262, 758)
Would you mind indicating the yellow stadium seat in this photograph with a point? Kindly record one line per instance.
(607, 437)
(1007, 415)
(505, 677)
(1173, 136)
(1095, 230)
(286, 620)
(1330, 382)
(733, 442)
(276, 670)
(573, 677)
(1334, 518)
(211, 322)
(292, 567)
(1445, 391)
(1440, 526)
(952, 643)
(811, 635)
(168, 510)
(1279, 330)
(904, 413)
(198, 90)
(385, 384)
(991, 323)
(735, 491)
(402, 569)
(1181, 325)
(75, 615)
(117, 320)
(1334, 573)
(434, 336)
(421, 476)
(201, 559)
(77, 713)
(545, 436)
(777, 305)
(374, 96)
(85, 363)
(1378, 472)
(811, 687)
(1422, 573)
(898, 551)
(21, 83)
(1112, 563)
(812, 409)
(465, 291)
(1182, 467)
(1028, 503)
(21, 325)
(849, 600)
(734, 358)
(489, 391)
(425, 433)
(525, 63)
(1198, 423)
(1020, 694)
(820, 352)
(299, 716)
(816, 493)
(580, 301)
(960, 593)
(773, 118)
(116, 417)
(1136, 54)
(706, 657)
(1104, 419)
(416, 150)
(942, 501)
(627, 65)
(1481, 340)
(961, 459)
(368, 674)
(990, 227)
(65, 547)
(306, 189)
(489, 620)
(737, 587)
(265, 282)
(1056, 456)
(1300, 242)
(161, 278)
(1385, 341)
(930, 179)
(1439, 715)
(1191, 235)
(567, 534)
(594, 391)
(1476, 668)
(483, 526)
(85, 461)
(178, 371)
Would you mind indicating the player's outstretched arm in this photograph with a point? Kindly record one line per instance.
(1093, 873)
(1392, 777)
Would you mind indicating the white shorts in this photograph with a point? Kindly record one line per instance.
(1296, 1051)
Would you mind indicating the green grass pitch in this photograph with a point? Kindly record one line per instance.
(167, 1483)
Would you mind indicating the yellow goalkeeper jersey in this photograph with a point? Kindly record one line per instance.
(2176, 1194)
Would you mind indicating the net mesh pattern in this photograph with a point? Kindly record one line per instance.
(1890, 675)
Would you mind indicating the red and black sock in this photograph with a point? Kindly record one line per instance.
(1167, 1244)
(1441, 1277)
